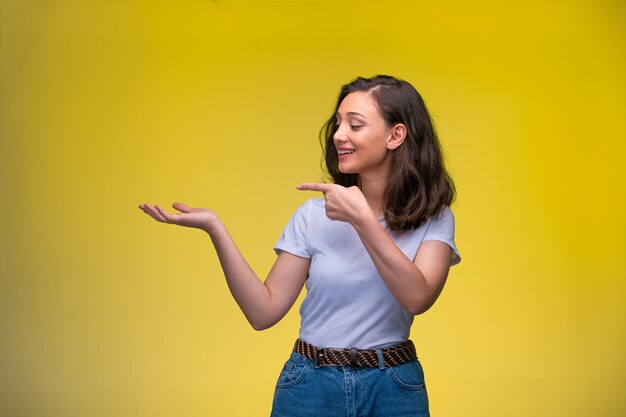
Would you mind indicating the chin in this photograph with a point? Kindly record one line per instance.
(346, 170)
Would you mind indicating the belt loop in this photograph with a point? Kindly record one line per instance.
(381, 358)
(316, 355)
(353, 359)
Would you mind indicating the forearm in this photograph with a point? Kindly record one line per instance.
(252, 296)
(402, 277)
(263, 303)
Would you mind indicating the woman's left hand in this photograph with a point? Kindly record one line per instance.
(343, 204)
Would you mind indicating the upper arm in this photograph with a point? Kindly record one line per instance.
(285, 281)
(433, 260)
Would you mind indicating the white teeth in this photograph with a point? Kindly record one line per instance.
(345, 152)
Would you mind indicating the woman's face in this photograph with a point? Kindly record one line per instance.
(362, 136)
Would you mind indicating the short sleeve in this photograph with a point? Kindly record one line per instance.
(442, 228)
(293, 238)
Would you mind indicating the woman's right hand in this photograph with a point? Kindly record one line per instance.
(199, 218)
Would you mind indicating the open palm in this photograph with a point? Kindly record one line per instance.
(199, 218)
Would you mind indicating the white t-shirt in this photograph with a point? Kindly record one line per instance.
(347, 302)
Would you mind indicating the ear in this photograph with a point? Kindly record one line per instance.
(396, 137)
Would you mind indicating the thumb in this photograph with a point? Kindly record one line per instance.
(182, 207)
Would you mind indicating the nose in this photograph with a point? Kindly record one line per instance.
(340, 135)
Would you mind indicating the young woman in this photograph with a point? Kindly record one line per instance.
(373, 253)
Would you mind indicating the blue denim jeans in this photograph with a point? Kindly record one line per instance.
(327, 391)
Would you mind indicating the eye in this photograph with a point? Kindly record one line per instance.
(355, 127)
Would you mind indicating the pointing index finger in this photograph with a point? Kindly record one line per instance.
(314, 186)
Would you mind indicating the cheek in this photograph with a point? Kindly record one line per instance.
(377, 151)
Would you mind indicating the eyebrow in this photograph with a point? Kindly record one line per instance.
(351, 113)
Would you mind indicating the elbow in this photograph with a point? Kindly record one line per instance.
(421, 303)
(419, 307)
(262, 319)
(416, 311)
(259, 325)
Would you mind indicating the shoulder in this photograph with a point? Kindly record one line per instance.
(315, 202)
(313, 205)
(310, 209)
(441, 227)
(443, 220)
(445, 217)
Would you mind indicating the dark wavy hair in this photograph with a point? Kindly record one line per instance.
(419, 185)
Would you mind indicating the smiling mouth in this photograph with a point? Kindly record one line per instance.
(345, 152)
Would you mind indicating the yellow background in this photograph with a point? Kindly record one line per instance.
(107, 104)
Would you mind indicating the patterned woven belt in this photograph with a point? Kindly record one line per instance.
(394, 355)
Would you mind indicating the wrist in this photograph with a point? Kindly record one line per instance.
(364, 217)
(212, 225)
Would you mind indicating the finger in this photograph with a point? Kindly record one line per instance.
(152, 212)
(145, 207)
(182, 207)
(167, 217)
(315, 186)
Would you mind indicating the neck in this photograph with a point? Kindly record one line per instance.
(373, 188)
